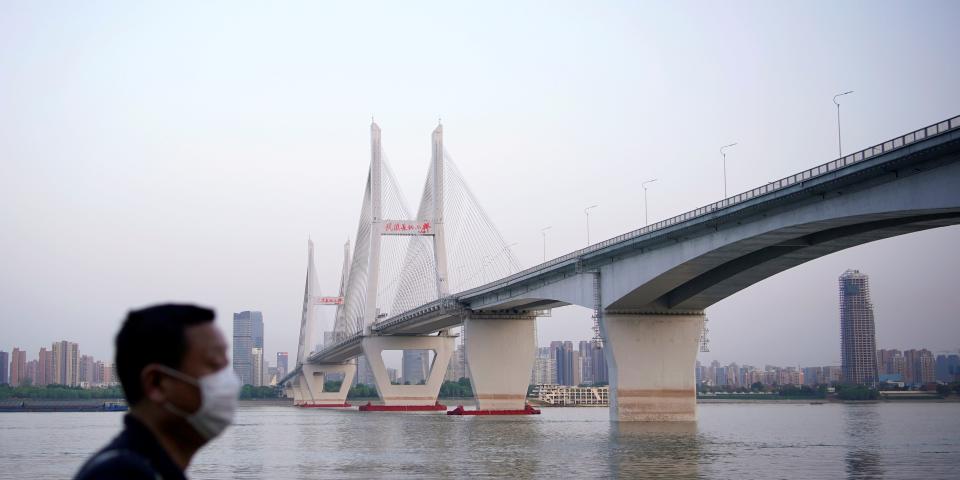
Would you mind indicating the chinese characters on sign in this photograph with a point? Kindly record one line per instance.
(396, 227)
(328, 301)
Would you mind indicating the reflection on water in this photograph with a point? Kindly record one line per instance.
(729, 441)
(862, 426)
(654, 450)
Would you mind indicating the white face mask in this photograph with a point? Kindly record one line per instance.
(219, 396)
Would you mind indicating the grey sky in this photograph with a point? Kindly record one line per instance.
(184, 151)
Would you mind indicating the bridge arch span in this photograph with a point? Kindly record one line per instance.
(726, 257)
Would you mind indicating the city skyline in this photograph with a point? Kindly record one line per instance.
(59, 364)
(915, 366)
(395, 359)
(912, 367)
(583, 324)
(139, 182)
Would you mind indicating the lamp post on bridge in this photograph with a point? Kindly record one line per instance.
(835, 102)
(724, 155)
(543, 231)
(586, 211)
(646, 212)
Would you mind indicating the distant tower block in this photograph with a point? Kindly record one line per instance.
(858, 344)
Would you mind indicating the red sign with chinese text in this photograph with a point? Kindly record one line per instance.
(328, 301)
(407, 227)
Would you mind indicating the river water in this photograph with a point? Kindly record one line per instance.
(729, 441)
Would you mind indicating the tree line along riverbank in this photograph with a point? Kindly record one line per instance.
(463, 389)
(758, 391)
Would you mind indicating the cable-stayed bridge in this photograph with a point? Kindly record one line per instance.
(411, 278)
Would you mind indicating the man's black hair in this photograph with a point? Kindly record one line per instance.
(154, 335)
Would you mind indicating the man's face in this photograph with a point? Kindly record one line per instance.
(206, 353)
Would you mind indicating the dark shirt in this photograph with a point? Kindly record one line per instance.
(133, 454)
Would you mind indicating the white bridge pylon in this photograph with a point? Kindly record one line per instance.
(401, 261)
(307, 387)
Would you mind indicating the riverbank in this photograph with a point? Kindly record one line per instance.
(75, 405)
(98, 405)
(815, 401)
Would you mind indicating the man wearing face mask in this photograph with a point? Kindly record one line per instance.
(173, 366)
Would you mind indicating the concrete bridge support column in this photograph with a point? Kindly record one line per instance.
(408, 397)
(651, 360)
(500, 352)
(312, 378)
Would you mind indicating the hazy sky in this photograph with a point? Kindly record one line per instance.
(186, 151)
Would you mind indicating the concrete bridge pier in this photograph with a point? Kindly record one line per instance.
(651, 360)
(314, 376)
(407, 397)
(500, 351)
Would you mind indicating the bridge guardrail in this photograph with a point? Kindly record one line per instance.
(847, 160)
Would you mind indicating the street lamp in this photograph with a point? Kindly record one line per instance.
(586, 211)
(835, 102)
(646, 216)
(543, 231)
(724, 155)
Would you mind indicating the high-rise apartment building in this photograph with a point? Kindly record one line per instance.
(858, 345)
(898, 366)
(556, 358)
(599, 366)
(891, 362)
(586, 361)
(563, 354)
(282, 359)
(98, 373)
(107, 376)
(66, 362)
(544, 367)
(18, 367)
(577, 370)
(31, 372)
(85, 374)
(247, 335)
(45, 367)
(416, 366)
(4, 368)
(920, 367)
(256, 359)
(947, 368)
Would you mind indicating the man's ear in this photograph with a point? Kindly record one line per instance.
(151, 381)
